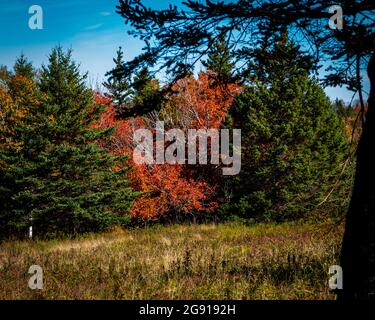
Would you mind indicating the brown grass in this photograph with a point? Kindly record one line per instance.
(228, 261)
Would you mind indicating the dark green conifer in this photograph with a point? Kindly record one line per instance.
(63, 180)
(118, 87)
(219, 64)
(23, 67)
(293, 144)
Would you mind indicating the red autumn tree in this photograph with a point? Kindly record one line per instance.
(199, 103)
(172, 190)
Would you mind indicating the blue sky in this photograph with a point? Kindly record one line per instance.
(90, 27)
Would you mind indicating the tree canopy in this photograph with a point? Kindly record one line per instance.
(176, 38)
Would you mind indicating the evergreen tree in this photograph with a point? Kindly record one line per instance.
(293, 143)
(118, 87)
(342, 108)
(219, 64)
(63, 180)
(17, 96)
(147, 95)
(135, 97)
(23, 67)
(279, 62)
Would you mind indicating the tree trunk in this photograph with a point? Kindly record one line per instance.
(358, 251)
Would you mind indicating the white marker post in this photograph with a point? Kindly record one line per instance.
(31, 228)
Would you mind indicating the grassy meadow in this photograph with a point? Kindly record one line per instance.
(207, 261)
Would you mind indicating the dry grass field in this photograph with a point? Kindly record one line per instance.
(227, 261)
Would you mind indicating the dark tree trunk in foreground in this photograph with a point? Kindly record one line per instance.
(358, 252)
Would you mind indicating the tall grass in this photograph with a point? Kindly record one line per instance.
(229, 261)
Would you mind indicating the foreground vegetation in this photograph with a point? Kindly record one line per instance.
(208, 261)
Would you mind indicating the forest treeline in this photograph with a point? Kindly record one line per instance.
(66, 164)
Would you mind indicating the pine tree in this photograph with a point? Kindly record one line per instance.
(280, 62)
(118, 87)
(17, 96)
(63, 180)
(293, 144)
(23, 67)
(219, 64)
(147, 95)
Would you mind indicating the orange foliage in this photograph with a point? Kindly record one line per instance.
(15, 99)
(168, 191)
(199, 104)
(353, 123)
(172, 189)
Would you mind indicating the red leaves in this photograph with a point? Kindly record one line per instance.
(201, 104)
(168, 191)
(172, 189)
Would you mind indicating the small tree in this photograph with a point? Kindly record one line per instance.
(118, 87)
(219, 64)
(135, 97)
(23, 67)
(147, 95)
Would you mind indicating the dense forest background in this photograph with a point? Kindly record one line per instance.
(66, 149)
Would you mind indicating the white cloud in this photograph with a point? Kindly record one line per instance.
(105, 13)
(94, 27)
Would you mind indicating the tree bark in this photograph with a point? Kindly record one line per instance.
(358, 250)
